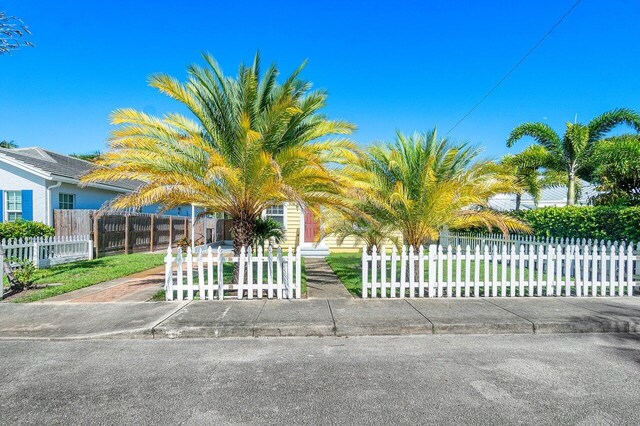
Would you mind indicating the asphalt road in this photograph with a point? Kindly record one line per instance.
(516, 379)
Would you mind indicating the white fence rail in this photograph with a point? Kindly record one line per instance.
(49, 251)
(534, 270)
(209, 274)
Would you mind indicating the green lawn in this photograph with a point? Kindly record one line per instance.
(348, 268)
(76, 275)
(227, 271)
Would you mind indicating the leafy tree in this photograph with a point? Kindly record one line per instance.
(574, 148)
(616, 170)
(90, 156)
(252, 143)
(12, 33)
(534, 171)
(8, 144)
(267, 229)
(421, 184)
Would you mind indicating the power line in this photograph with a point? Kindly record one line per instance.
(495, 86)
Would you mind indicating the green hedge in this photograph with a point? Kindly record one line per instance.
(601, 222)
(24, 229)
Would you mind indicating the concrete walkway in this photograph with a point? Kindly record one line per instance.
(322, 282)
(337, 317)
(138, 287)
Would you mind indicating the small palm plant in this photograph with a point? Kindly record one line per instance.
(267, 230)
(421, 184)
(249, 143)
(572, 151)
(365, 229)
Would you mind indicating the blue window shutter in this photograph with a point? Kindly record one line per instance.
(1, 205)
(27, 204)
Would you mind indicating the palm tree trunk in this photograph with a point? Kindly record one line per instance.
(518, 202)
(243, 227)
(571, 188)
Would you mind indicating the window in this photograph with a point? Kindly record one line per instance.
(66, 201)
(276, 213)
(14, 205)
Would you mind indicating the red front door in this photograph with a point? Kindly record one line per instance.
(311, 227)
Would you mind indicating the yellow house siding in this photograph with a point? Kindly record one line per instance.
(292, 226)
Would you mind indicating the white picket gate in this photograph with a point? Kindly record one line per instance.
(474, 271)
(49, 251)
(266, 274)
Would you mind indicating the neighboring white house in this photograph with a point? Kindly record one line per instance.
(550, 197)
(35, 181)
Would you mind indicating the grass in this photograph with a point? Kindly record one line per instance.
(227, 271)
(77, 275)
(348, 268)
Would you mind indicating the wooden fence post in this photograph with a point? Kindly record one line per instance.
(96, 247)
(126, 233)
(151, 231)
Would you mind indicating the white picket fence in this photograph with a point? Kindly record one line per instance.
(533, 270)
(471, 239)
(265, 274)
(45, 252)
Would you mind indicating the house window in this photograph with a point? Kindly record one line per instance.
(276, 213)
(13, 205)
(66, 201)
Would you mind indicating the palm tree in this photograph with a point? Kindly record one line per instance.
(616, 170)
(363, 228)
(421, 184)
(573, 149)
(267, 229)
(252, 143)
(533, 170)
(92, 156)
(8, 144)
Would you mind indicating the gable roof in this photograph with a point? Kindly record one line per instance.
(58, 166)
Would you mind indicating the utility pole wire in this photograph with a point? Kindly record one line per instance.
(547, 34)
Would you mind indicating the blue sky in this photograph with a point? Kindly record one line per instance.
(407, 65)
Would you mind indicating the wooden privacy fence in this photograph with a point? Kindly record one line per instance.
(542, 270)
(122, 232)
(209, 274)
(44, 252)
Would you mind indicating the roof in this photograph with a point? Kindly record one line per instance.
(553, 196)
(59, 165)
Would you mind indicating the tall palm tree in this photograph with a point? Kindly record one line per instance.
(421, 184)
(573, 149)
(252, 143)
(533, 169)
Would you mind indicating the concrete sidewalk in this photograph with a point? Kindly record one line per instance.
(354, 317)
(322, 282)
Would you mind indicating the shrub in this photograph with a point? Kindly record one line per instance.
(25, 229)
(24, 273)
(598, 222)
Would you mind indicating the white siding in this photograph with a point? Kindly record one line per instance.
(15, 179)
